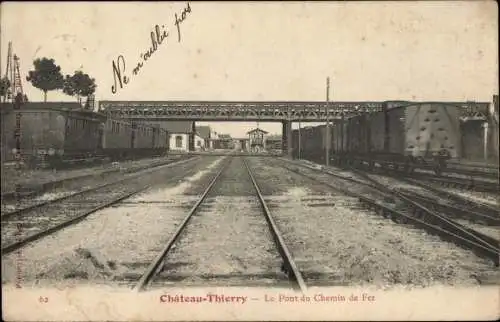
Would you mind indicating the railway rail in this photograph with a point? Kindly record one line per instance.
(32, 223)
(425, 181)
(453, 207)
(475, 180)
(288, 265)
(470, 183)
(484, 180)
(131, 172)
(428, 213)
(24, 191)
(461, 203)
(479, 178)
(477, 169)
(404, 209)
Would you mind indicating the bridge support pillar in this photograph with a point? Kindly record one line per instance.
(191, 146)
(286, 138)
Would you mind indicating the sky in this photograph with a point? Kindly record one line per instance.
(258, 51)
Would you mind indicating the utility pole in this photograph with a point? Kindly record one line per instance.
(327, 134)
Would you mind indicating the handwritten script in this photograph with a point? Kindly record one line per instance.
(158, 37)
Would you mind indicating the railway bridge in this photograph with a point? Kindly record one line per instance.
(285, 112)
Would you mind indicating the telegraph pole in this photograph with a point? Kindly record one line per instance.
(327, 135)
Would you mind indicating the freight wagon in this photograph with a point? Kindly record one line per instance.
(49, 131)
(414, 135)
(312, 142)
(122, 139)
(53, 133)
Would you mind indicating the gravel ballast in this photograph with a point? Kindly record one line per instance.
(343, 244)
(227, 241)
(115, 244)
(333, 239)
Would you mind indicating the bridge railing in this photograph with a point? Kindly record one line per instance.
(289, 111)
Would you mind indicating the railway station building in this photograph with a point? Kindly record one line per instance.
(256, 140)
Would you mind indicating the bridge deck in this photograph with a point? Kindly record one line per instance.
(313, 111)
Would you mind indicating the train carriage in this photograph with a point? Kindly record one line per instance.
(161, 138)
(408, 136)
(53, 134)
(416, 134)
(430, 130)
(50, 132)
(123, 139)
(117, 138)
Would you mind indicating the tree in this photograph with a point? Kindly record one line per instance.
(4, 86)
(46, 76)
(79, 84)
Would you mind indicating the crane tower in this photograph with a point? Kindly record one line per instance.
(13, 74)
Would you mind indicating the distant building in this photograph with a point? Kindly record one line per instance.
(223, 141)
(256, 138)
(274, 142)
(179, 135)
(241, 144)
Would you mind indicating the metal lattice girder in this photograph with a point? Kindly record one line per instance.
(254, 111)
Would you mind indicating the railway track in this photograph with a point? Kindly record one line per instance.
(452, 169)
(438, 199)
(404, 208)
(475, 210)
(32, 223)
(132, 173)
(483, 210)
(488, 171)
(479, 179)
(26, 191)
(470, 183)
(157, 267)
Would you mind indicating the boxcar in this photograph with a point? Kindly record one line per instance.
(161, 138)
(424, 133)
(116, 135)
(50, 131)
(122, 139)
(407, 135)
(312, 142)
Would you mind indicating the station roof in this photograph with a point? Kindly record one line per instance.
(203, 131)
(178, 127)
(257, 130)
